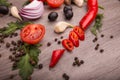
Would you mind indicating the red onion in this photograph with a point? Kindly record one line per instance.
(32, 11)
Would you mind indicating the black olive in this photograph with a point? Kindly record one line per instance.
(4, 10)
(53, 16)
(66, 8)
(68, 14)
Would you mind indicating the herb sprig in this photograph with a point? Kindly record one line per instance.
(5, 3)
(28, 62)
(12, 27)
(97, 25)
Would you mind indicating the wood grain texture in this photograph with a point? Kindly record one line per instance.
(97, 66)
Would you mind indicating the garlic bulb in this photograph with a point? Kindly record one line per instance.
(14, 11)
(61, 26)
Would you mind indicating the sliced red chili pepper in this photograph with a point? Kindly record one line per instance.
(56, 55)
(80, 33)
(68, 44)
(74, 38)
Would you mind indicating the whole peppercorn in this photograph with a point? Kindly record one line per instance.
(40, 66)
(0, 55)
(7, 45)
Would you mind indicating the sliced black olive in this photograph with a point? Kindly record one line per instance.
(53, 16)
(66, 8)
(4, 10)
(68, 14)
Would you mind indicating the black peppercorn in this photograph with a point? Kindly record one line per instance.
(102, 35)
(55, 39)
(74, 63)
(48, 44)
(102, 50)
(40, 66)
(61, 37)
(0, 55)
(76, 58)
(95, 39)
(11, 76)
(11, 49)
(13, 43)
(111, 36)
(59, 42)
(65, 76)
(15, 34)
(81, 62)
(7, 45)
(14, 53)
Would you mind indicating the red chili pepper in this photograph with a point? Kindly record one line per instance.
(56, 55)
(90, 15)
(80, 33)
(68, 44)
(74, 38)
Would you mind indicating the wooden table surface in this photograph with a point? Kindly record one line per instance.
(97, 66)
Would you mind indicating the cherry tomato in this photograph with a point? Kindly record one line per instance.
(67, 44)
(55, 3)
(32, 33)
(74, 38)
(79, 32)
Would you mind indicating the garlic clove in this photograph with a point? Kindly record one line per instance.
(79, 3)
(14, 11)
(61, 27)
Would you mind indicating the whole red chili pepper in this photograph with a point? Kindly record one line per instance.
(80, 33)
(56, 55)
(74, 38)
(67, 44)
(90, 15)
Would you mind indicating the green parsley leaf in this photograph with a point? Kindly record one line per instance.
(98, 24)
(13, 26)
(24, 65)
(5, 3)
(26, 69)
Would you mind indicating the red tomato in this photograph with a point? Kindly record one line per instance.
(32, 33)
(55, 3)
